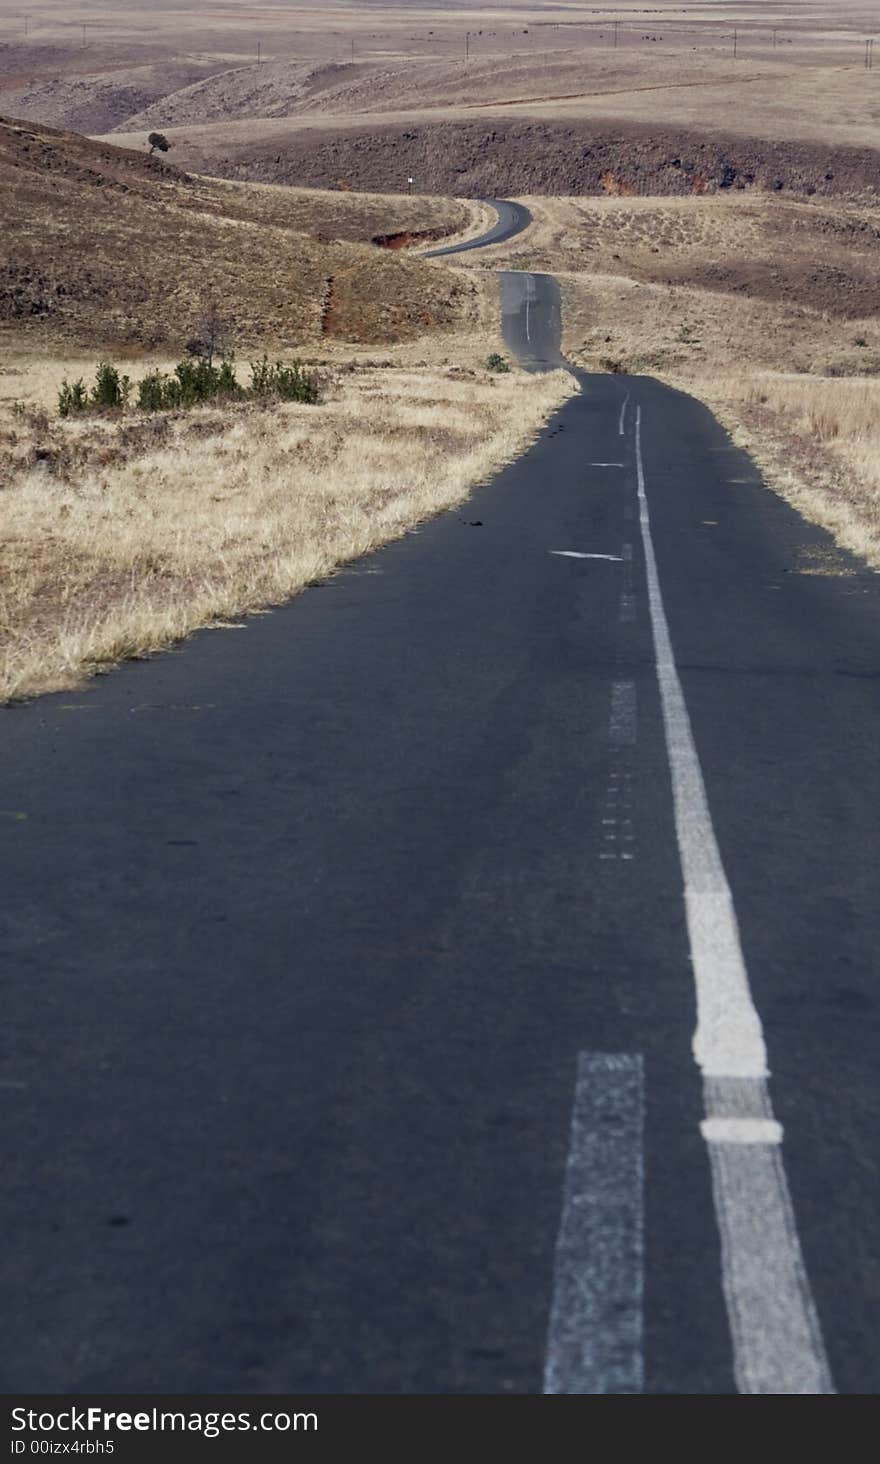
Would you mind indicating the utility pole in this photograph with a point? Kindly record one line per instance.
(734, 42)
(869, 55)
(467, 45)
(616, 25)
(259, 48)
(84, 35)
(775, 29)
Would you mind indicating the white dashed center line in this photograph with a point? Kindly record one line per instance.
(594, 1340)
(617, 832)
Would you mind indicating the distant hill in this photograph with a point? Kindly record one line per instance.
(100, 102)
(103, 245)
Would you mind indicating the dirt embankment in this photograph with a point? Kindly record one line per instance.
(499, 158)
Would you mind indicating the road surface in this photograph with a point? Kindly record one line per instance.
(352, 959)
(512, 219)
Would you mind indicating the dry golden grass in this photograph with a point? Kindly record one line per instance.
(818, 442)
(122, 536)
(119, 535)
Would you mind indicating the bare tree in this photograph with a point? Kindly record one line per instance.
(214, 335)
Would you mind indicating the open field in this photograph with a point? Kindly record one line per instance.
(125, 531)
(248, 90)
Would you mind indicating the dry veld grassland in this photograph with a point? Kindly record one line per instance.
(125, 536)
(705, 179)
(122, 533)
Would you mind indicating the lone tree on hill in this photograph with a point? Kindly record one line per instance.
(158, 142)
(215, 334)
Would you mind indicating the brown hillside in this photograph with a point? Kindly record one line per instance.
(499, 157)
(98, 102)
(105, 246)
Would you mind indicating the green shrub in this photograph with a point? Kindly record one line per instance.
(226, 381)
(290, 383)
(193, 382)
(73, 397)
(111, 389)
(200, 380)
(261, 377)
(497, 363)
(151, 392)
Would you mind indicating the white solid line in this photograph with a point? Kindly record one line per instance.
(594, 1340)
(606, 465)
(575, 554)
(528, 328)
(620, 428)
(729, 1040)
(777, 1341)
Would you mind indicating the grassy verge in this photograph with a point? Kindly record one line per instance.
(817, 441)
(126, 532)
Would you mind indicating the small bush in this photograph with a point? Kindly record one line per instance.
(73, 397)
(199, 380)
(151, 392)
(111, 389)
(290, 383)
(496, 363)
(193, 382)
(226, 383)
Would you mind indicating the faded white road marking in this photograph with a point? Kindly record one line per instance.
(618, 838)
(606, 465)
(528, 327)
(594, 1340)
(575, 554)
(620, 427)
(777, 1341)
(623, 720)
(627, 596)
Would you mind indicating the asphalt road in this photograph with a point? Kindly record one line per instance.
(318, 935)
(531, 319)
(512, 218)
